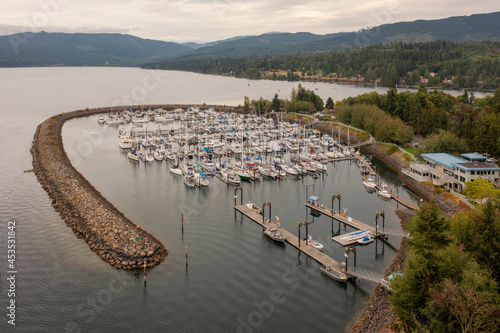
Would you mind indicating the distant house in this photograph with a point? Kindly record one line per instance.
(451, 171)
(424, 80)
(432, 74)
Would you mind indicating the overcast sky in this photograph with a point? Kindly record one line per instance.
(210, 20)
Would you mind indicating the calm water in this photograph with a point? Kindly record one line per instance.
(237, 279)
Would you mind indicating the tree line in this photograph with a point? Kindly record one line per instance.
(434, 63)
(450, 280)
(451, 124)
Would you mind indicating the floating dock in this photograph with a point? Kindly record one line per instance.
(342, 218)
(396, 197)
(367, 165)
(291, 239)
(331, 159)
(350, 238)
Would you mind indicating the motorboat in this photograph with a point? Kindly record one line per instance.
(230, 176)
(201, 179)
(334, 273)
(369, 183)
(208, 166)
(384, 193)
(254, 207)
(189, 180)
(275, 234)
(132, 155)
(313, 243)
(124, 142)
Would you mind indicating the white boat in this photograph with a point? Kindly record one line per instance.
(319, 166)
(150, 157)
(163, 119)
(201, 179)
(189, 180)
(230, 176)
(314, 243)
(101, 120)
(346, 151)
(208, 166)
(132, 155)
(267, 172)
(158, 155)
(384, 193)
(170, 156)
(124, 142)
(369, 183)
(254, 207)
(274, 233)
(334, 273)
(308, 167)
(176, 171)
(289, 170)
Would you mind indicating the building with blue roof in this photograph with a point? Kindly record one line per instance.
(452, 171)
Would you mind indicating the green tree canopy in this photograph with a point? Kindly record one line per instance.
(481, 188)
(444, 142)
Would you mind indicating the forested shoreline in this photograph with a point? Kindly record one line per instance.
(434, 64)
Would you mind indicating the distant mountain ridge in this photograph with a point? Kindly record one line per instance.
(79, 49)
(63, 49)
(471, 28)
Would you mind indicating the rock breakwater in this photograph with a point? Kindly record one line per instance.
(111, 235)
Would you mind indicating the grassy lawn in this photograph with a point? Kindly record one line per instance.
(411, 150)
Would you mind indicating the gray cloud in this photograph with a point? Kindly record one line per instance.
(208, 20)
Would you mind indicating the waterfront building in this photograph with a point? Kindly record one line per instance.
(452, 171)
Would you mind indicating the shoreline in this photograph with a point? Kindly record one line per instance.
(108, 232)
(332, 81)
(378, 316)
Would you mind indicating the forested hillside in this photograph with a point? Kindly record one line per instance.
(437, 63)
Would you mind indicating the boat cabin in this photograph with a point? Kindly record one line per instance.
(313, 200)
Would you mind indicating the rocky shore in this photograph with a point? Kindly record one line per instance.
(111, 235)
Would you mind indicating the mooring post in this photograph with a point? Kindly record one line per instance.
(299, 235)
(144, 273)
(186, 255)
(269, 204)
(182, 221)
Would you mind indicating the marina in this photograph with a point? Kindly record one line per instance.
(232, 264)
(232, 147)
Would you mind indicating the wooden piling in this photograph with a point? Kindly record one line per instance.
(186, 255)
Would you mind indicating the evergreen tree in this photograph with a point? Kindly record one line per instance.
(329, 103)
(276, 103)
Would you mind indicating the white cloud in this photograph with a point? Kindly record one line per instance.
(208, 20)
